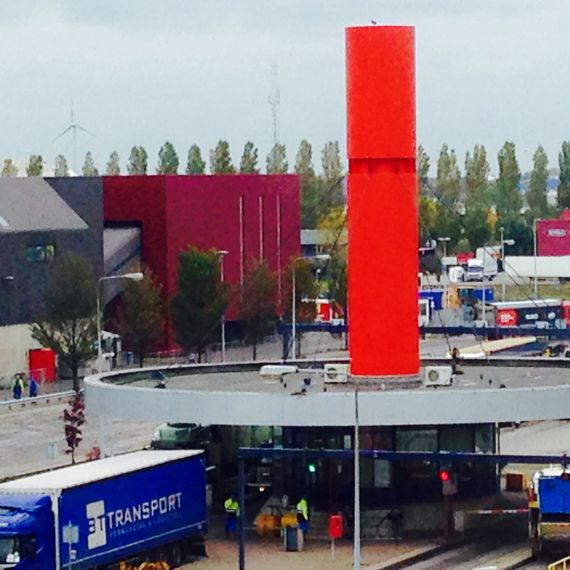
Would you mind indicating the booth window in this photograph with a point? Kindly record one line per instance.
(40, 253)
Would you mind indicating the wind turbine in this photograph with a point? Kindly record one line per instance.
(73, 127)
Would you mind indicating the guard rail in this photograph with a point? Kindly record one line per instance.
(44, 399)
(562, 564)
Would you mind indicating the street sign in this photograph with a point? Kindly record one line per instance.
(70, 534)
(52, 450)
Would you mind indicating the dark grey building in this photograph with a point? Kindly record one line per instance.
(41, 220)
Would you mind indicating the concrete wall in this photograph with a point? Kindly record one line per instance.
(15, 341)
(205, 405)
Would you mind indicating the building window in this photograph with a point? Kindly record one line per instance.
(376, 472)
(40, 253)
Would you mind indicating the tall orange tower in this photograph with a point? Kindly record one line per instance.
(382, 202)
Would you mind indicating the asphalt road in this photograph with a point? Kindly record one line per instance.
(29, 433)
(477, 556)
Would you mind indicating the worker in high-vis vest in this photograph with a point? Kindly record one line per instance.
(303, 514)
(231, 506)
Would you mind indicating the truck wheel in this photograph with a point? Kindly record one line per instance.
(176, 555)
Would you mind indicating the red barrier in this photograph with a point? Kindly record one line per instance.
(382, 201)
(336, 527)
(42, 364)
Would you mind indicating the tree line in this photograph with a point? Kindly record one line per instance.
(471, 209)
(68, 325)
(319, 193)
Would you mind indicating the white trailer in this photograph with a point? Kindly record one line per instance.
(543, 267)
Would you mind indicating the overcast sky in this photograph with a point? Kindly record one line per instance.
(190, 71)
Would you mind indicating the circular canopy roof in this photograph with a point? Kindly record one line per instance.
(238, 395)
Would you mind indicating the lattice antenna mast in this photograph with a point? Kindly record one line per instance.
(274, 104)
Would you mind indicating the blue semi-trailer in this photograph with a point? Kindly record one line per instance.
(146, 505)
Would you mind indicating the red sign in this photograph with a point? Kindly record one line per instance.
(464, 257)
(553, 237)
(506, 318)
(336, 527)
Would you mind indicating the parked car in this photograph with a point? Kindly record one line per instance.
(180, 436)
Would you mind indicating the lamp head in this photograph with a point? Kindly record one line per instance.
(138, 276)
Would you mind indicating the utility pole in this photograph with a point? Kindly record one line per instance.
(356, 561)
(535, 253)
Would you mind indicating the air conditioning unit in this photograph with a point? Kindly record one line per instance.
(336, 373)
(438, 376)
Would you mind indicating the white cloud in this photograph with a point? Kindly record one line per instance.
(196, 71)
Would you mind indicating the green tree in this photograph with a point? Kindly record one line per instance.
(448, 181)
(89, 168)
(113, 167)
(428, 210)
(195, 164)
(9, 168)
(338, 288)
(68, 326)
(61, 166)
(422, 166)
(248, 163)
(536, 196)
(138, 161)
(201, 299)
(519, 229)
(276, 162)
(336, 237)
(476, 176)
(141, 317)
(167, 159)
(477, 229)
(221, 160)
(35, 165)
(305, 294)
(507, 196)
(332, 176)
(310, 213)
(257, 304)
(564, 186)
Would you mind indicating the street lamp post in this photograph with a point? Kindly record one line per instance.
(294, 313)
(318, 257)
(102, 422)
(503, 243)
(222, 253)
(134, 277)
(534, 224)
(294, 307)
(356, 555)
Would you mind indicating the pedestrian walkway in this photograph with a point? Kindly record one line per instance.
(264, 554)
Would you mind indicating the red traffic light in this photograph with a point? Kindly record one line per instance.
(444, 475)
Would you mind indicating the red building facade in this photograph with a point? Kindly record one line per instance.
(252, 217)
